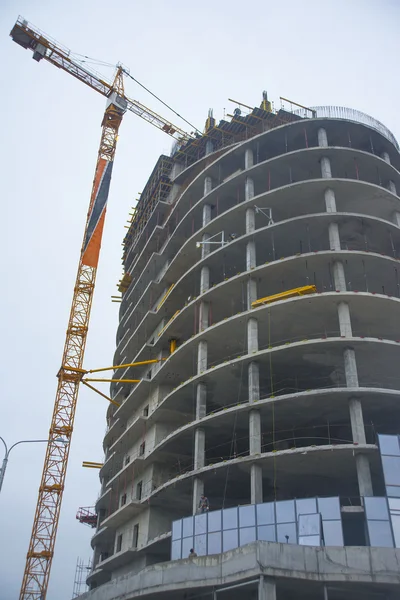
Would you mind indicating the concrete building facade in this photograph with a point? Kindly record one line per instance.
(271, 410)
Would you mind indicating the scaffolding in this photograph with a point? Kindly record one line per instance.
(87, 516)
(81, 572)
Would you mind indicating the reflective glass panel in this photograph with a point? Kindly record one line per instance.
(265, 513)
(230, 518)
(394, 503)
(391, 469)
(333, 534)
(389, 444)
(176, 550)
(396, 529)
(376, 508)
(247, 515)
(187, 543)
(306, 506)
(285, 511)
(176, 529)
(310, 524)
(214, 520)
(329, 508)
(187, 526)
(287, 529)
(230, 539)
(247, 535)
(200, 544)
(214, 543)
(380, 534)
(310, 540)
(200, 524)
(266, 533)
(391, 490)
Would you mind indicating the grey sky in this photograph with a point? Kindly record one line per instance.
(194, 55)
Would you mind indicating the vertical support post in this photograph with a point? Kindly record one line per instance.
(248, 158)
(199, 444)
(266, 588)
(392, 187)
(256, 485)
(201, 356)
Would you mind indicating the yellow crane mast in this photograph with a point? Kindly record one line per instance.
(41, 546)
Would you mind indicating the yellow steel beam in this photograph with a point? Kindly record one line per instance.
(112, 380)
(135, 364)
(163, 299)
(91, 465)
(165, 326)
(300, 291)
(100, 393)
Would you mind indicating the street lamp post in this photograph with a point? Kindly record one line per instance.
(7, 454)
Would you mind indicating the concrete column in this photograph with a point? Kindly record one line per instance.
(266, 588)
(252, 335)
(199, 448)
(396, 218)
(253, 382)
(207, 185)
(256, 484)
(364, 475)
(357, 421)
(322, 137)
(386, 157)
(201, 400)
(198, 490)
(392, 187)
(201, 356)
(206, 213)
(326, 171)
(248, 158)
(330, 200)
(255, 432)
(248, 188)
(209, 147)
(250, 220)
(251, 292)
(204, 279)
(344, 319)
(334, 237)
(250, 255)
(339, 279)
(204, 315)
(350, 368)
(205, 248)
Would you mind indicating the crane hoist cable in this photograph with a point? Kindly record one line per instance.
(41, 547)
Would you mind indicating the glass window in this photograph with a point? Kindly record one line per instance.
(306, 506)
(396, 529)
(200, 524)
(214, 520)
(187, 544)
(310, 540)
(286, 533)
(247, 515)
(394, 503)
(187, 527)
(393, 491)
(230, 539)
(380, 534)
(214, 543)
(266, 533)
(200, 544)
(247, 535)
(310, 524)
(329, 508)
(389, 444)
(391, 469)
(333, 534)
(376, 508)
(230, 518)
(177, 529)
(265, 513)
(176, 550)
(285, 511)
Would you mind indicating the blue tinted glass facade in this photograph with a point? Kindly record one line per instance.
(389, 446)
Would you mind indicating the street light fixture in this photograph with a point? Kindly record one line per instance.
(8, 450)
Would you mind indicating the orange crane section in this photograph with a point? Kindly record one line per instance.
(41, 547)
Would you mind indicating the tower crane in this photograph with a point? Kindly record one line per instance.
(41, 546)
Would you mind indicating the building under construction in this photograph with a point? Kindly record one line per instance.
(258, 456)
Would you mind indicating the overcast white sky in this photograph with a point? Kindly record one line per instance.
(194, 55)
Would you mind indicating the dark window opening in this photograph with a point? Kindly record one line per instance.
(146, 411)
(354, 529)
(119, 543)
(136, 535)
(142, 448)
(123, 499)
(127, 460)
(139, 490)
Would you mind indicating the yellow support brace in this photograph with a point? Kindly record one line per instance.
(300, 291)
